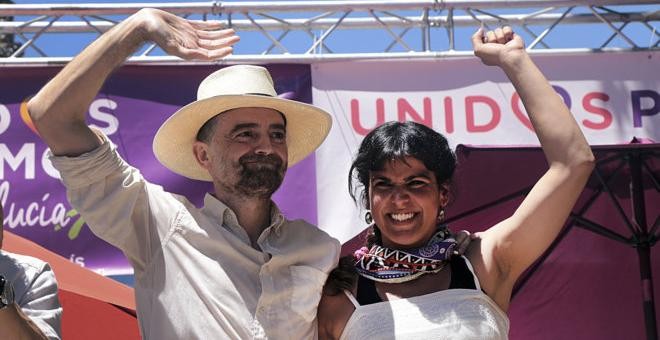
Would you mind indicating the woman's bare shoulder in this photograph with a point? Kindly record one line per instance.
(333, 314)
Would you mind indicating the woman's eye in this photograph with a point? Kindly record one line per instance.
(382, 185)
(416, 184)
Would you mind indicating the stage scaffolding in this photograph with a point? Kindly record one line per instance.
(316, 31)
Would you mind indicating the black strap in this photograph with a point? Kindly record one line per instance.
(461, 276)
(366, 291)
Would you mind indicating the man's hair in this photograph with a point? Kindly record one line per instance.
(205, 133)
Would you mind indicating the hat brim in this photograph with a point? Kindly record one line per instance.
(307, 126)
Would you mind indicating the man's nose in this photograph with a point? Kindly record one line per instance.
(263, 145)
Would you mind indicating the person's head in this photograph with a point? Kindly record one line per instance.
(244, 150)
(239, 134)
(403, 172)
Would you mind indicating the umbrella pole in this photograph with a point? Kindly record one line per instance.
(643, 253)
(643, 247)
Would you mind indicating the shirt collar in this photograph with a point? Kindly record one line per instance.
(221, 213)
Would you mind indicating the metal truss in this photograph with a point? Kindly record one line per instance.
(313, 31)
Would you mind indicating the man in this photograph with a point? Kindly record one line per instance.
(29, 307)
(235, 268)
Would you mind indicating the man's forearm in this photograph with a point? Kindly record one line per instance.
(16, 325)
(59, 109)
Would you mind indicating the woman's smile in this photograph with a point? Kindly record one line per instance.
(402, 217)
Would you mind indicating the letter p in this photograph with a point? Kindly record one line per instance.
(637, 111)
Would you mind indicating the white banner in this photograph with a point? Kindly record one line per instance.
(614, 97)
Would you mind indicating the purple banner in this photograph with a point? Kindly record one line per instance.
(131, 106)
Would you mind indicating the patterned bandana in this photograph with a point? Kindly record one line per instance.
(395, 266)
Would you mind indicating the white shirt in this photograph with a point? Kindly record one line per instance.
(35, 290)
(451, 314)
(196, 275)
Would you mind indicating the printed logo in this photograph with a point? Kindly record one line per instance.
(429, 251)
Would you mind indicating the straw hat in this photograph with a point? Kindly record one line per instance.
(230, 88)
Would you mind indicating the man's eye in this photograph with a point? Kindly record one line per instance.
(279, 135)
(244, 134)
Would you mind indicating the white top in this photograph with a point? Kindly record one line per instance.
(35, 290)
(447, 314)
(196, 274)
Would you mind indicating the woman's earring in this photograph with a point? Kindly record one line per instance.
(368, 218)
(441, 215)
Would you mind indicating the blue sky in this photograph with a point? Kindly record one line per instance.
(565, 36)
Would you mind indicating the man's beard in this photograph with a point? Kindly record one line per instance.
(260, 175)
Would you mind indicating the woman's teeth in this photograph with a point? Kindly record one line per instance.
(402, 217)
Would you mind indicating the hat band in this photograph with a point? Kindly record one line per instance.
(260, 94)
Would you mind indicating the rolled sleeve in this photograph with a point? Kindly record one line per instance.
(117, 203)
(90, 167)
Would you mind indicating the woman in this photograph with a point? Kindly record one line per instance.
(404, 285)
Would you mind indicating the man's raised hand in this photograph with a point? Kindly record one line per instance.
(187, 39)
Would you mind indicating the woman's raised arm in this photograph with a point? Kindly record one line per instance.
(509, 247)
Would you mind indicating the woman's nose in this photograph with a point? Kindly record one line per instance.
(400, 196)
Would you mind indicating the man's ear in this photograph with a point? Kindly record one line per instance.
(201, 151)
